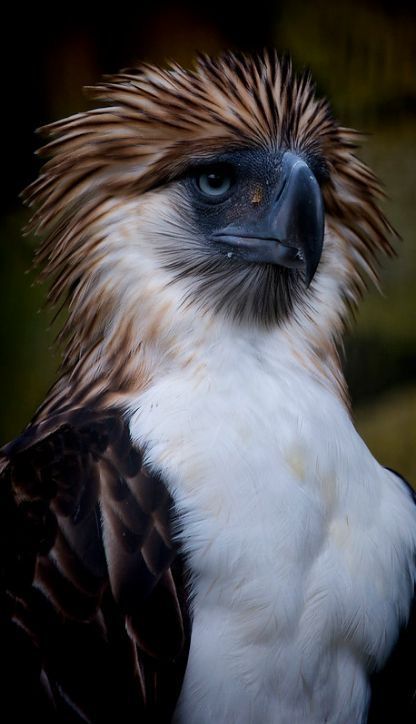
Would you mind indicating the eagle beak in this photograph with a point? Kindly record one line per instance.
(291, 231)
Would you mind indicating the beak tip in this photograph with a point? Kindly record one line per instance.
(310, 270)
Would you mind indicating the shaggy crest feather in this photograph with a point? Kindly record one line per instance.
(156, 122)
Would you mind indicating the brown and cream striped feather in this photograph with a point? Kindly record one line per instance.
(154, 124)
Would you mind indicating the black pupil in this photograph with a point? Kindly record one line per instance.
(215, 180)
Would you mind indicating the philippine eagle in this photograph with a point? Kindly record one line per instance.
(191, 528)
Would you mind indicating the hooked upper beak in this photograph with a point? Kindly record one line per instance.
(291, 231)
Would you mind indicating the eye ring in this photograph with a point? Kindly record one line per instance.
(214, 182)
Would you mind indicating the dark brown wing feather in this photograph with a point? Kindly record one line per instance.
(93, 614)
(393, 688)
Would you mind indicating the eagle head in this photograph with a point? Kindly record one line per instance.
(227, 192)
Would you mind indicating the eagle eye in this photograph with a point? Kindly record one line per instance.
(214, 182)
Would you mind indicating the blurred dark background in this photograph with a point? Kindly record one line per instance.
(362, 55)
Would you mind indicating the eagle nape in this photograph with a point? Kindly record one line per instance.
(191, 528)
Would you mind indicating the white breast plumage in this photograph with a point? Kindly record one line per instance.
(299, 543)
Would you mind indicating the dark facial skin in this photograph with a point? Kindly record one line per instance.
(258, 218)
(255, 176)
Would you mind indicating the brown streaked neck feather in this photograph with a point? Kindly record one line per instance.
(154, 123)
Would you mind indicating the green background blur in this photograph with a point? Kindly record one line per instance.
(362, 55)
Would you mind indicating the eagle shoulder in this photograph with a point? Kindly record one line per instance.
(393, 687)
(93, 605)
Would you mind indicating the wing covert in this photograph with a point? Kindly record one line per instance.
(393, 688)
(93, 603)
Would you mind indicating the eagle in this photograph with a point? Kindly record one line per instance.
(191, 528)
